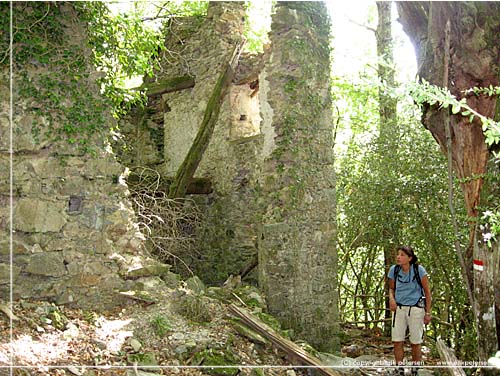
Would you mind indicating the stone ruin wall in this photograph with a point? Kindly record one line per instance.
(74, 238)
(200, 48)
(297, 249)
(270, 159)
(270, 163)
(231, 160)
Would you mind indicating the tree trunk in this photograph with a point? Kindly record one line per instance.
(385, 71)
(387, 111)
(474, 61)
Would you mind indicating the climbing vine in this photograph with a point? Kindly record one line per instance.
(123, 46)
(67, 105)
(70, 107)
(426, 93)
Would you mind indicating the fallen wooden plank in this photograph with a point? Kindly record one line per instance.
(280, 342)
(449, 358)
(193, 158)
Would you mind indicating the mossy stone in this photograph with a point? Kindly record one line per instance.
(217, 358)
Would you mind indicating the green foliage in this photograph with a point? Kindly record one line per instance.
(167, 10)
(123, 47)
(426, 93)
(491, 228)
(5, 35)
(90, 317)
(69, 107)
(66, 104)
(392, 189)
(195, 307)
(36, 29)
(55, 317)
(220, 359)
(160, 326)
(257, 25)
(143, 359)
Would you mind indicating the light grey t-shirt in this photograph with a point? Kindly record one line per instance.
(408, 291)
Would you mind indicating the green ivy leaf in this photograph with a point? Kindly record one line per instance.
(455, 109)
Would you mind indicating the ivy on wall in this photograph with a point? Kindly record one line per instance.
(51, 69)
(56, 49)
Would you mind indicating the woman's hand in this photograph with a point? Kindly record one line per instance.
(392, 305)
(427, 318)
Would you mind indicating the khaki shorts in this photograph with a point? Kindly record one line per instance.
(408, 317)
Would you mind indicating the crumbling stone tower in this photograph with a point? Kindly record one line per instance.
(297, 257)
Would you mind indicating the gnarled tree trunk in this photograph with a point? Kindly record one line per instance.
(474, 41)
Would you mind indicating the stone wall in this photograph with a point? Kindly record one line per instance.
(201, 48)
(270, 159)
(74, 240)
(297, 257)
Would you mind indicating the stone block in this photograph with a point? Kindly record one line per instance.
(92, 217)
(4, 173)
(154, 269)
(49, 264)
(275, 228)
(102, 167)
(80, 281)
(23, 137)
(46, 167)
(57, 244)
(72, 185)
(4, 129)
(36, 286)
(5, 273)
(33, 215)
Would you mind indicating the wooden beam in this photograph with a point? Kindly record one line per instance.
(449, 358)
(280, 342)
(167, 85)
(193, 158)
(196, 186)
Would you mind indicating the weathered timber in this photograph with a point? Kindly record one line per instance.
(167, 85)
(249, 267)
(449, 358)
(190, 164)
(196, 186)
(280, 342)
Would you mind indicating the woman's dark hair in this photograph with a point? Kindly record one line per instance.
(409, 251)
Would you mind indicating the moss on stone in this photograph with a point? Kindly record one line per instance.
(217, 358)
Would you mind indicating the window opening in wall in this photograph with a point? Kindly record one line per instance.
(245, 113)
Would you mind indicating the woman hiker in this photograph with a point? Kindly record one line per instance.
(410, 302)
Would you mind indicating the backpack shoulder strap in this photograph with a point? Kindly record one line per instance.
(417, 276)
(396, 272)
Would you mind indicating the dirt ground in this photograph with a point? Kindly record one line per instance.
(155, 338)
